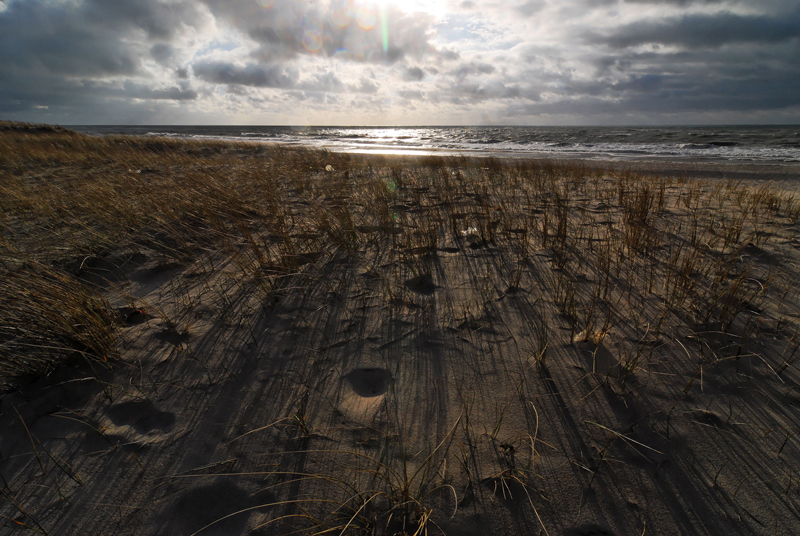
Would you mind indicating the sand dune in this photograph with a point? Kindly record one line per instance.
(441, 346)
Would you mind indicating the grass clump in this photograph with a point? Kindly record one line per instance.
(47, 317)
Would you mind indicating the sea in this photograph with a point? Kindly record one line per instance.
(767, 144)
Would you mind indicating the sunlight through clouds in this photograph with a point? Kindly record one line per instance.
(368, 61)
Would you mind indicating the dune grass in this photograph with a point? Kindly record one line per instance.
(67, 201)
(668, 268)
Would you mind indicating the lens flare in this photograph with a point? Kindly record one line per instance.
(342, 14)
(384, 28)
(312, 40)
(366, 16)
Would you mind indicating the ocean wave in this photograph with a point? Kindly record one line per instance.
(724, 144)
(259, 135)
(694, 146)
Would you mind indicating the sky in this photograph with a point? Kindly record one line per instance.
(400, 62)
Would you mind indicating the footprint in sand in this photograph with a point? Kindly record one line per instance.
(142, 415)
(422, 284)
(363, 400)
(210, 508)
(369, 382)
(137, 421)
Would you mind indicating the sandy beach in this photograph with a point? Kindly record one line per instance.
(783, 176)
(206, 338)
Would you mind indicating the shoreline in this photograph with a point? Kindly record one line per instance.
(675, 147)
(784, 175)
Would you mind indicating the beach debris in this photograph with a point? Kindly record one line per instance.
(133, 315)
(473, 238)
(593, 337)
(329, 168)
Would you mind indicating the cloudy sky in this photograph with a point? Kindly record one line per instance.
(400, 62)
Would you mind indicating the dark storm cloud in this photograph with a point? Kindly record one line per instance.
(255, 75)
(54, 39)
(674, 2)
(162, 52)
(703, 31)
(160, 20)
(87, 38)
(640, 83)
(683, 96)
(696, 90)
(696, 63)
(54, 52)
(91, 101)
(762, 76)
(237, 78)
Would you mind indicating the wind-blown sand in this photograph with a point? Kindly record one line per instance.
(403, 345)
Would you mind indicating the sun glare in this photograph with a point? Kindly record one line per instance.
(369, 15)
(436, 8)
(370, 9)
